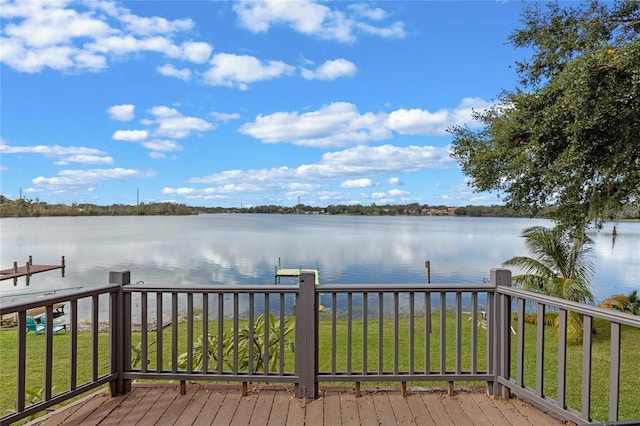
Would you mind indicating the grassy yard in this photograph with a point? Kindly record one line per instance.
(630, 367)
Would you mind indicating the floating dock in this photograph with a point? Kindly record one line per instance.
(281, 272)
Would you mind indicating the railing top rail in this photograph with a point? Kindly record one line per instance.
(288, 288)
(580, 308)
(51, 300)
(219, 288)
(402, 287)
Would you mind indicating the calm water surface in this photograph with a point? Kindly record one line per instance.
(244, 249)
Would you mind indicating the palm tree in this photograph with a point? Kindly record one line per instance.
(560, 267)
(622, 303)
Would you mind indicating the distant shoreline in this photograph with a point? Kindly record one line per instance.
(30, 208)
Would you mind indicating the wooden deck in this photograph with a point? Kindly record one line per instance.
(153, 404)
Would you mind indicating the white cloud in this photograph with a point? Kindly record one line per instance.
(157, 155)
(395, 30)
(76, 36)
(49, 150)
(331, 70)
(366, 11)
(384, 159)
(463, 113)
(124, 112)
(222, 116)
(43, 24)
(356, 183)
(130, 135)
(78, 179)
(85, 159)
(424, 122)
(167, 124)
(196, 51)
(162, 145)
(178, 191)
(28, 59)
(65, 154)
(350, 164)
(398, 193)
(391, 196)
(159, 44)
(239, 70)
(337, 124)
(171, 123)
(394, 181)
(171, 71)
(315, 19)
(340, 124)
(144, 26)
(418, 121)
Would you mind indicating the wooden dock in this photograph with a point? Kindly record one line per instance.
(29, 269)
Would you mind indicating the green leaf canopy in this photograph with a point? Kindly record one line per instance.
(569, 137)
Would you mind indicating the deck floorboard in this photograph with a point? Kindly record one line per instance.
(280, 408)
(227, 409)
(151, 404)
(210, 408)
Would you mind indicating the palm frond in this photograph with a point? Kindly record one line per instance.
(560, 266)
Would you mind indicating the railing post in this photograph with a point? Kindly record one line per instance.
(120, 333)
(501, 329)
(306, 355)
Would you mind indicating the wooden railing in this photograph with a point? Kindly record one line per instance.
(42, 398)
(549, 387)
(418, 333)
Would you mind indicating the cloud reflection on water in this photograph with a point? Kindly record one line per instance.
(244, 249)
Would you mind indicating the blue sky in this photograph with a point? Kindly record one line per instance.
(214, 103)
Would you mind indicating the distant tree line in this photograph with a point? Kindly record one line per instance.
(414, 209)
(33, 208)
(23, 207)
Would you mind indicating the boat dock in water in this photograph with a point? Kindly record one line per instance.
(28, 270)
(281, 272)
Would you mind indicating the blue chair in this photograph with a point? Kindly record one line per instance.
(56, 327)
(32, 325)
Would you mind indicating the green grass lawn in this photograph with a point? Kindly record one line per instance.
(630, 367)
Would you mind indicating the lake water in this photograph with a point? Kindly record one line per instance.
(244, 249)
